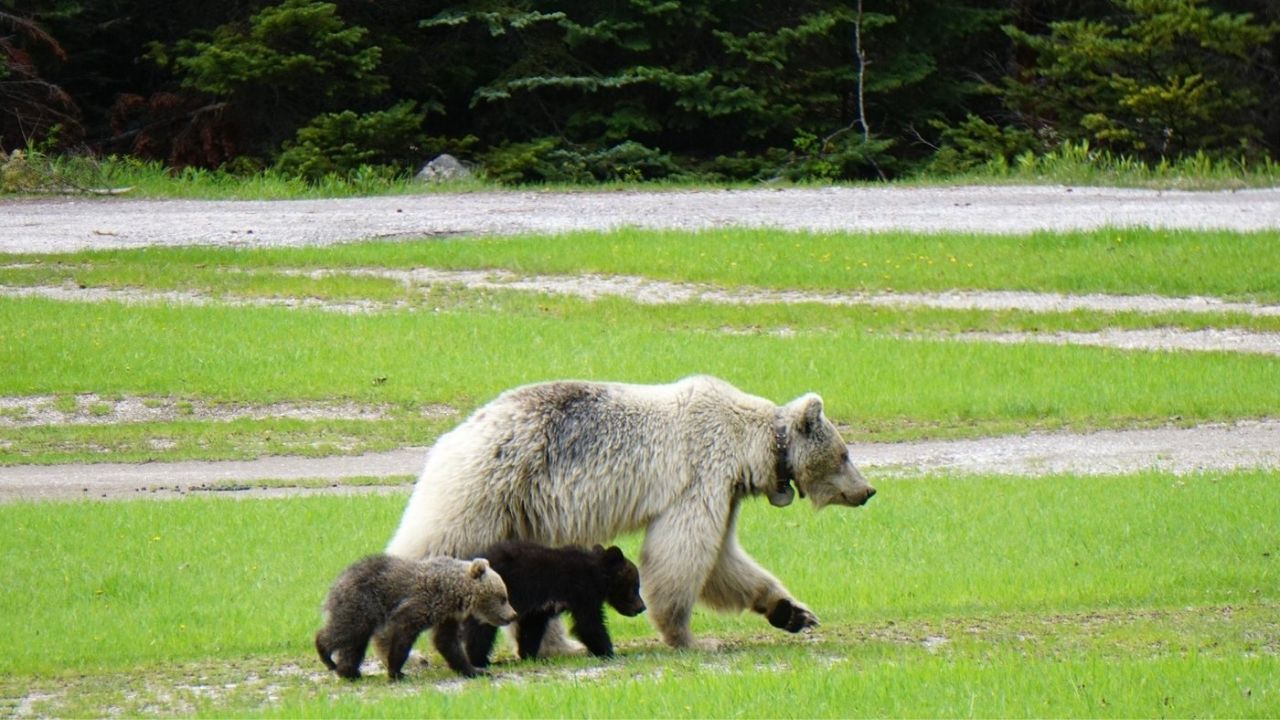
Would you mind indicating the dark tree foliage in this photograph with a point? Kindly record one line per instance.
(31, 106)
(552, 90)
(739, 89)
(130, 103)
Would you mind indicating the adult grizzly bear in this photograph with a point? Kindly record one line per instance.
(578, 463)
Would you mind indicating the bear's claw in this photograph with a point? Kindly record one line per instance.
(791, 617)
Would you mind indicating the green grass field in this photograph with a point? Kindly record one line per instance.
(1129, 261)
(1065, 596)
(976, 596)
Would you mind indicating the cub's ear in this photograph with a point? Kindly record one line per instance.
(598, 549)
(479, 567)
(614, 556)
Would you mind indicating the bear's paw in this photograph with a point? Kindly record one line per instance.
(791, 616)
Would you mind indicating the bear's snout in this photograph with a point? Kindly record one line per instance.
(859, 498)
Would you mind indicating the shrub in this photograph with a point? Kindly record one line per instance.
(340, 143)
(552, 160)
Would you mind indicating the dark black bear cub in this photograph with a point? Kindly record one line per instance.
(391, 601)
(544, 582)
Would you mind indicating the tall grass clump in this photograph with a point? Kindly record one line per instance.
(134, 177)
(1075, 163)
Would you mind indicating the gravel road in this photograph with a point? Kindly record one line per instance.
(60, 225)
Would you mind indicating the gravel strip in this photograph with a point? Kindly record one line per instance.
(94, 409)
(1181, 451)
(132, 296)
(1170, 339)
(659, 292)
(123, 481)
(648, 291)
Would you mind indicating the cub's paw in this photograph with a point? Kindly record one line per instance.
(791, 616)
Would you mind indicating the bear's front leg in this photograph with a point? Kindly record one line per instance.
(394, 643)
(737, 582)
(588, 625)
(447, 637)
(479, 639)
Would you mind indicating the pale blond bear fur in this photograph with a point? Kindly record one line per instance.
(579, 463)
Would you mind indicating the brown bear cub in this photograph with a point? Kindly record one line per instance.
(545, 582)
(392, 600)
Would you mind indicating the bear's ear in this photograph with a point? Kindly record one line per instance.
(597, 550)
(478, 568)
(810, 407)
(614, 556)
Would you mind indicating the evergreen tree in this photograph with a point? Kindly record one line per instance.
(1154, 79)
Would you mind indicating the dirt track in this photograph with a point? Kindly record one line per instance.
(60, 225)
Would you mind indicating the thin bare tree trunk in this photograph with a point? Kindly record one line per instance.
(862, 73)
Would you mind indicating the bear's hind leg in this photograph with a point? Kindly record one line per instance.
(680, 548)
(350, 655)
(322, 647)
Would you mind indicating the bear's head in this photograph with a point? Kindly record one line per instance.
(622, 579)
(489, 603)
(812, 454)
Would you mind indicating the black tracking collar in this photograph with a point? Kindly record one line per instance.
(781, 457)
